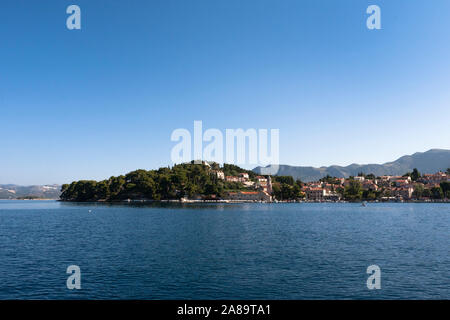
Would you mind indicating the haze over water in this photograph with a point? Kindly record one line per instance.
(224, 251)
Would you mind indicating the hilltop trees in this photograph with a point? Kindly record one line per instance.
(183, 180)
(164, 183)
(232, 170)
(82, 190)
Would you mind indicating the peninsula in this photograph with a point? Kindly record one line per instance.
(208, 181)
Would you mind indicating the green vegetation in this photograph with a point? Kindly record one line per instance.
(445, 186)
(29, 198)
(331, 180)
(415, 174)
(418, 191)
(285, 188)
(353, 191)
(200, 181)
(183, 180)
(232, 170)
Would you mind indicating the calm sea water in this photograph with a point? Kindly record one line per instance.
(225, 251)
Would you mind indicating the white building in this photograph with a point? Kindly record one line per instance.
(220, 175)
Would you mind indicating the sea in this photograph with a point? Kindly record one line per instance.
(224, 251)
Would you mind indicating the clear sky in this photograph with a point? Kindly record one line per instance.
(104, 100)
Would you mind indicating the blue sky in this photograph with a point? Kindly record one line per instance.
(104, 100)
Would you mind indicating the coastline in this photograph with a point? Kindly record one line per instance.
(30, 199)
(250, 201)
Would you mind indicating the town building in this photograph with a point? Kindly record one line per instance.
(219, 174)
(404, 193)
(244, 175)
(321, 194)
(435, 178)
(232, 179)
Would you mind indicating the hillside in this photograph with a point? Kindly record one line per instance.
(182, 180)
(430, 161)
(11, 191)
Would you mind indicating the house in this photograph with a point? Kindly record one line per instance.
(249, 184)
(400, 181)
(404, 193)
(261, 179)
(219, 174)
(244, 176)
(314, 193)
(383, 181)
(231, 179)
(435, 178)
(369, 185)
(321, 194)
(264, 183)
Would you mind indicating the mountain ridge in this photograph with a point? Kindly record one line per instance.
(430, 161)
(13, 191)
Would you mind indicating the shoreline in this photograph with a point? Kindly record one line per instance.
(250, 201)
(232, 201)
(30, 199)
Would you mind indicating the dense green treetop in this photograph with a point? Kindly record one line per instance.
(183, 180)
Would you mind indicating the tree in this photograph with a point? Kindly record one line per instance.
(287, 191)
(276, 191)
(415, 175)
(437, 193)
(102, 190)
(297, 191)
(369, 195)
(427, 193)
(448, 171)
(353, 191)
(418, 191)
(445, 186)
(327, 179)
(210, 189)
(284, 179)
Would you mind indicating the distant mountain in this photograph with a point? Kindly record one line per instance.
(431, 161)
(11, 191)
